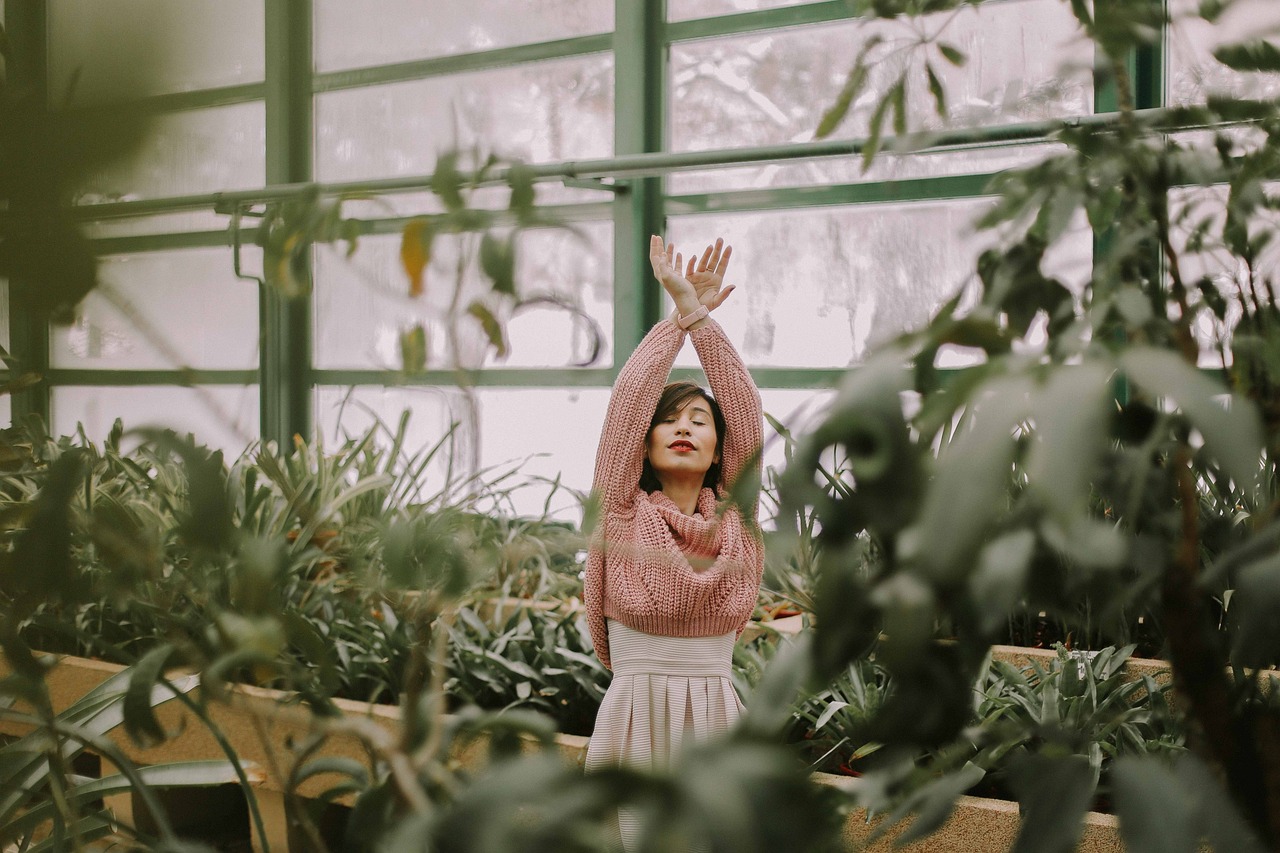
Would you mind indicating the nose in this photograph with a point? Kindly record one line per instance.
(683, 428)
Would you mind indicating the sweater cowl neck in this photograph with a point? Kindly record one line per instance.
(697, 532)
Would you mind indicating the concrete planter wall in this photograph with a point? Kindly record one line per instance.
(257, 723)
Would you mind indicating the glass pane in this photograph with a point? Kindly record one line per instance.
(540, 111)
(774, 86)
(545, 433)
(164, 310)
(1193, 73)
(224, 418)
(111, 49)
(363, 306)
(799, 410)
(683, 10)
(575, 266)
(496, 430)
(357, 33)
(820, 288)
(1234, 279)
(847, 170)
(191, 152)
(343, 412)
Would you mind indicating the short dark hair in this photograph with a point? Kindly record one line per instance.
(675, 396)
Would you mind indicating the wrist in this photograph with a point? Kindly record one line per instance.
(686, 304)
(693, 320)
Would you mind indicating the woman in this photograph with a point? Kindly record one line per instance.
(672, 577)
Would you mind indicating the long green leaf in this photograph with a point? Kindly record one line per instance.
(197, 774)
(1155, 811)
(1054, 794)
(139, 715)
(1256, 55)
(1232, 432)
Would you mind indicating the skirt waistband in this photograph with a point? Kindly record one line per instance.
(637, 653)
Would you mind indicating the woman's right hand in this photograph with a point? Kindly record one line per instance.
(701, 285)
(666, 269)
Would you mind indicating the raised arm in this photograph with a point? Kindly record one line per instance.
(701, 284)
(620, 456)
(739, 399)
(730, 381)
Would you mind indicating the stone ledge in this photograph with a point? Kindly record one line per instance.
(256, 714)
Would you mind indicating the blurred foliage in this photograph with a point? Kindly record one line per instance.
(339, 544)
(345, 573)
(484, 240)
(46, 152)
(46, 805)
(1083, 457)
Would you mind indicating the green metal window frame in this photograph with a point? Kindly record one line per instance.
(640, 44)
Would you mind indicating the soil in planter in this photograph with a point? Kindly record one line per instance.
(217, 816)
(1043, 632)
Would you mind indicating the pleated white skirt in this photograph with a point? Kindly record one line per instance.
(666, 692)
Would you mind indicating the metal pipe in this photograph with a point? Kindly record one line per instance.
(631, 165)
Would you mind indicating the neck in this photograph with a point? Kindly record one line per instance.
(683, 492)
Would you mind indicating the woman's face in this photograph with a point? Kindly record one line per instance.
(684, 443)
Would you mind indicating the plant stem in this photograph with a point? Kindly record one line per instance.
(1198, 663)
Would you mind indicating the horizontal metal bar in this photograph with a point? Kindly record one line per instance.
(781, 198)
(161, 242)
(565, 213)
(769, 19)
(871, 192)
(171, 102)
(523, 377)
(552, 377)
(760, 19)
(180, 377)
(489, 377)
(631, 165)
(178, 240)
(436, 66)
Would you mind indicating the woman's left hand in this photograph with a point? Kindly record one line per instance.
(706, 274)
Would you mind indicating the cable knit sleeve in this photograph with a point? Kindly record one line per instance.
(739, 399)
(620, 456)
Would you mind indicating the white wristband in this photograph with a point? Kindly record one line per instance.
(687, 321)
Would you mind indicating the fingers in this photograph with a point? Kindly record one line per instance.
(689, 272)
(720, 297)
(707, 261)
(723, 262)
(657, 253)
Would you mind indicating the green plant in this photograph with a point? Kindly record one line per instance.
(791, 531)
(1081, 703)
(833, 725)
(533, 658)
(1082, 451)
(46, 806)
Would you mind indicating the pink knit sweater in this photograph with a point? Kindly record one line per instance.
(639, 568)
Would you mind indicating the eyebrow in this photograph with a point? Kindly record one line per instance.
(700, 409)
